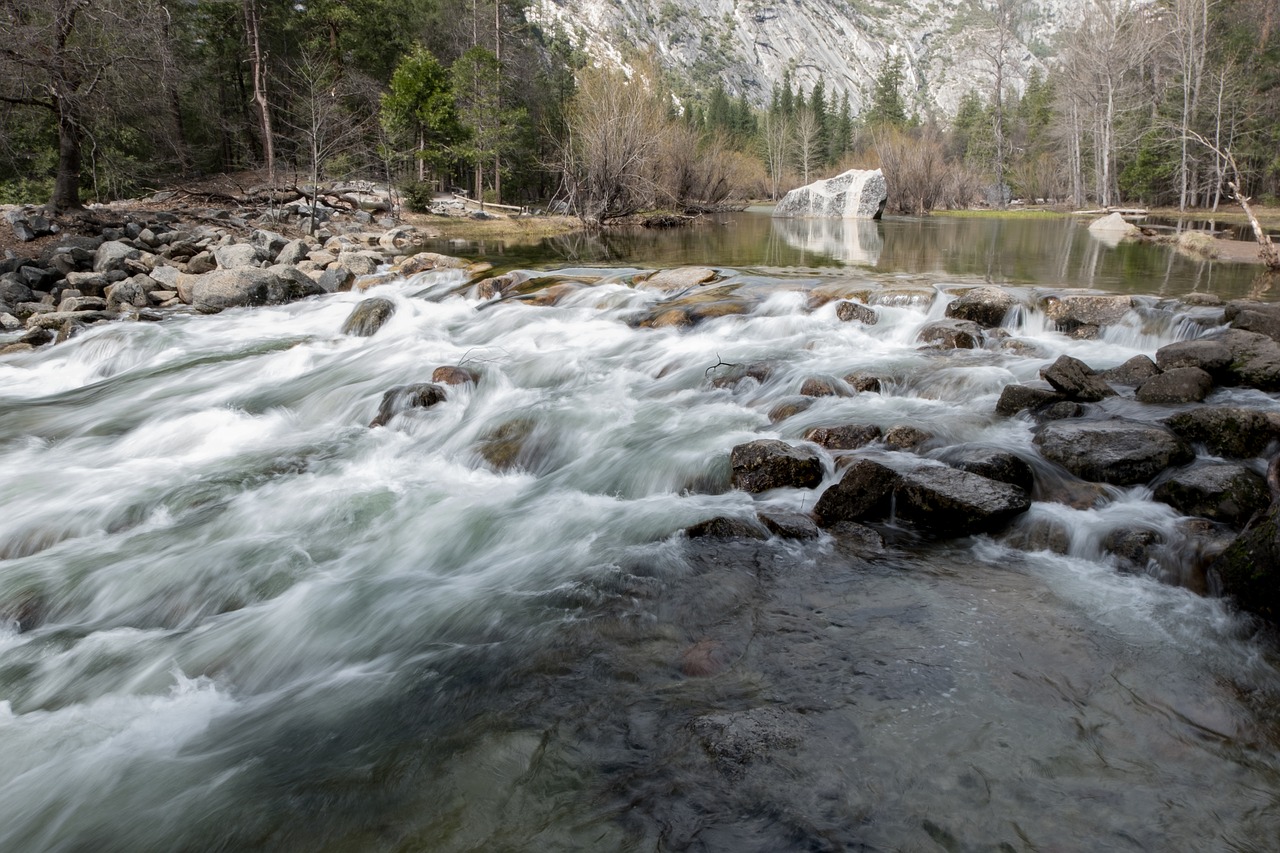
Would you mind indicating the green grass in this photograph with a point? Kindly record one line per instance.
(1016, 213)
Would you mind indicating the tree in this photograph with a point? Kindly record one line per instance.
(69, 59)
(1190, 31)
(418, 104)
(477, 91)
(996, 41)
(776, 146)
(887, 107)
(807, 142)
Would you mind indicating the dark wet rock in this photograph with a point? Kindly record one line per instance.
(846, 437)
(405, 397)
(945, 501)
(368, 317)
(37, 336)
(760, 371)
(1059, 411)
(856, 539)
(863, 492)
(1016, 398)
(69, 330)
(986, 306)
(509, 445)
(951, 334)
(1179, 385)
(14, 290)
(1211, 356)
(336, 279)
(863, 383)
(1226, 430)
(1039, 534)
(1132, 547)
(1018, 346)
(1133, 372)
(1073, 312)
(789, 525)
(1120, 452)
(735, 739)
(1260, 317)
(1249, 569)
(1255, 359)
(789, 408)
(817, 386)
(724, 527)
(906, 437)
(854, 312)
(771, 464)
(451, 375)
(1000, 465)
(1230, 493)
(1076, 380)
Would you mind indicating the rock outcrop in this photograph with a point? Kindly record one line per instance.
(855, 194)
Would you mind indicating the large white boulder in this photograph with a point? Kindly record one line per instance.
(855, 194)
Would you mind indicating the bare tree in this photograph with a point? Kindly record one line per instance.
(258, 71)
(995, 40)
(807, 142)
(1266, 249)
(775, 141)
(1190, 31)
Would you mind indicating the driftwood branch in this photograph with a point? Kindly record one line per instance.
(1266, 249)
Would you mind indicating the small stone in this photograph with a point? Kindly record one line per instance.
(1076, 380)
(846, 437)
(852, 311)
(405, 397)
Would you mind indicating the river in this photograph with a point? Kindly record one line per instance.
(235, 617)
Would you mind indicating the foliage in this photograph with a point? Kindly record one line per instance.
(888, 109)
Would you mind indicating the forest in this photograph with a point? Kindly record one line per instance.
(1163, 103)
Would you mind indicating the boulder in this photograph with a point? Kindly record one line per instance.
(951, 334)
(1255, 359)
(368, 317)
(426, 261)
(299, 283)
(215, 291)
(789, 407)
(1179, 385)
(336, 279)
(293, 252)
(864, 492)
(1133, 372)
(854, 312)
(1073, 311)
(1132, 547)
(863, 383)
(678, 279)
(450, 375)
(999, 465)
(846, 437)
(725, 527)
(360, 263)
(945, 501)
(760, 371)
(789, 525)
(1015, 398)
(1260, 317)
(855, 194)
(268, 243)
(905, 437)
(82, 303)
(113, 255)
(1226, 492)
(201, 262)
(1226, 430)
(1114, 223)
(134, 292)
(1213, 357)
(1076, 380)
(759, 466)
(14, 290)
(1249, 570)
(986, 306)
(817, 386)
(236, 256)
(405, 397)
(1120, 452)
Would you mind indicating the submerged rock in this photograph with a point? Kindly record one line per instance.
(789, 525)
(1120, 452)
(951, 334)
(451, 375)
(771, 464)
(215, 291)
(679, 278)
(368, 317)
(789, 408)
(725, 527)
(405, 397)
(852, 311)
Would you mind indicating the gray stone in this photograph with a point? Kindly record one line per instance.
(676, 279)
(57, 319)
(89, 283)
(221, 289)
(1226, 492)
(368, 317)
(945, 501)
(134, 292)
(1179, 385)
(906, 437)
(1210, 356)
(299, 283)
(1133, 372)
(336, 279)
(1072, 311)
(1016, 398)
(789, 408)
(1076, 380)
(1120, 452)
(1255, 359)
(82, 303)
(986, 306)
(1260, 317)
(237, 256)
(864, 492)
(1228, 431)
(293, 252)
(166, 276)
(951, 334)
(1000, 465)
(853, 311)
(201, 263)
(846, 437)
(855, 194)
(1249, 570)
(359, 263)
(759, 466)
(13, 290)
(9, 323)
(789, 525)
(725, 527)
(405, 397)
(113, 255)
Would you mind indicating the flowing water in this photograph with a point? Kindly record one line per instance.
(234, 617)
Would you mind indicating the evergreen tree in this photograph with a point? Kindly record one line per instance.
(887, 106)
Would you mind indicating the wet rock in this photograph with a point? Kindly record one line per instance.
(1016, 398)
(760, 371)
(426, 261)
(1255, 359)
(1249, 569)
(37, 336)
(1120, 452)
(789, 525)
(856, 539)
(221, 289)
(678, 279)
(906, 437)
(1213, 357)
(986, 306)
(1072, 312)
(336, 279)
(1260, 317)
(771, 464)
(1229, 431)
(951, 334)
(1076, 380)
(788, 408)
(1000, 465)
(1133, 372)
(1133, 547)
(497, 286)
(1059, 411)
(450, 375)
(1039, 534)
(1179, 385)
(368, 317)
(405, 397)
(724, 527)
(863, 383)
(509, 445)
(864, 492)
(846, 437)
(853, 312)
(705, 658)
(1230, 493)
(945, 501)
(736, 739)
(11, 349)
(816, 386)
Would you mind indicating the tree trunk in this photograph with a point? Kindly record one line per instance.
(66, 188)
(259, 72)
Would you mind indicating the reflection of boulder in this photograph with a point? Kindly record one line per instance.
(856, 241)
(855, 194)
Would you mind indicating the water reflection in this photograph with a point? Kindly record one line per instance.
(1053, 252)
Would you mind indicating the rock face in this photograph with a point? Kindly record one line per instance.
(855, 194)
(368, 317)
(771, 464)
(1120, 452)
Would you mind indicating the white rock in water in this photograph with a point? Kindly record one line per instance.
(856, 194)
(1114, 222)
